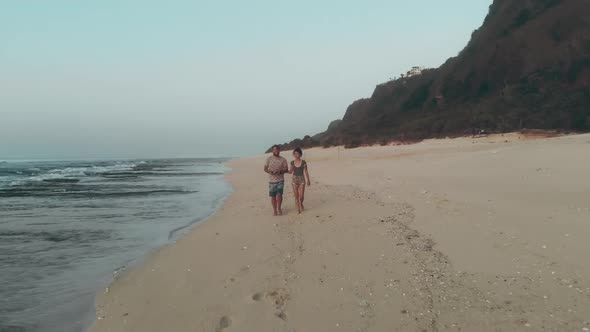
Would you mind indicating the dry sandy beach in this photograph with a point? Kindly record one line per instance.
(487, 234)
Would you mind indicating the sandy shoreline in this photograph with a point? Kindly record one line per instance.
(484, 234)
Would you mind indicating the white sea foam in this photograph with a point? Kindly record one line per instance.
(83, 171)
(74, 172)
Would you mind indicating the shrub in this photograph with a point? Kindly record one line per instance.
(550, 3)
(484, 89)
(418, 97)
(577, 67)
(557, 32)
(353, 143)
(522, 18)
(580, 120)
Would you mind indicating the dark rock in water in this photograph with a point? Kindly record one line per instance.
(527, 66)
(62, 180)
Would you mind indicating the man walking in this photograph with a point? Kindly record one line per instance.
(276, 167)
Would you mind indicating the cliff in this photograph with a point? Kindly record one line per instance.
(527, 66)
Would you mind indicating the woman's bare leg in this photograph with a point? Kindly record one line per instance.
(296, 194)
(301, 195)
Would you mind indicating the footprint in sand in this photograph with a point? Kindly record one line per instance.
(224, 323)
(257, 297)
(282, 315)
(279, 297)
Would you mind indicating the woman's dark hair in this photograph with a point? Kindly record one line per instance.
(298, 150)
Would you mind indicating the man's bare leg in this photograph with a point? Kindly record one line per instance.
(273, 201)
(279, 204)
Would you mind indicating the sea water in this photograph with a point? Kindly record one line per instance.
(67, 226)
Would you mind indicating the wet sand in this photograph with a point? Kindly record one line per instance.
(487, 234)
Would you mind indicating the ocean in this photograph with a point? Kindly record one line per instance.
(67, 227)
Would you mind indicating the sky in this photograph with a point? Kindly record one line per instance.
(149, 79)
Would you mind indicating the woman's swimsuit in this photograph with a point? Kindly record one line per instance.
(298, 177)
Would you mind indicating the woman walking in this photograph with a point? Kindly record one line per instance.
(300, 178)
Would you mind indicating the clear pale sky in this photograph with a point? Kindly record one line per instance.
(139, 79)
